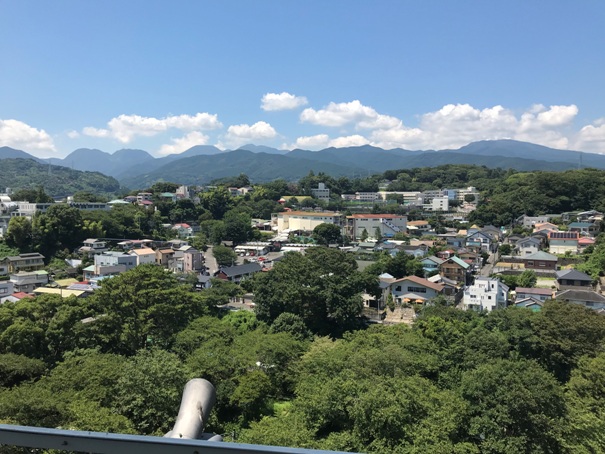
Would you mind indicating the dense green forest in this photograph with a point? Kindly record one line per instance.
(57, 181)
(314, 375)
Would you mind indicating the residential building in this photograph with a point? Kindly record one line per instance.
(193, 260)
(584, 228)
(418, 227)
(305, 220)
(540, 261)
(30, 261)
(538, 294)
(450, 288)
(183, 230)
(441, 203)
(455, 269)
(528, 246)
(431, 264)
(546, 226)
(586, 298)
(530, 303)
(27, 281)
(163, 256)
(321, 192)
(6, 288)
(572, 280)
(92, 246)
(112, 263)
(143, 255)
(479, 241)
(238, 273)
(486, 294)
(388, 224)
(530, 221)
(413, 289)
(563, 242)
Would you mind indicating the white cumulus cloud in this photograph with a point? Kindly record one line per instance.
(455, 125)
(184, 143)
(282, 101)
(125, 128)
(348, 141)
(316, 142)
(20, 135)
(242, 134)
(591, 137)
(348, 113)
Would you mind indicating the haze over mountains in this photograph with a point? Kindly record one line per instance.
(204, 163)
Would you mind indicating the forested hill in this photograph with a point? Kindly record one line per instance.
(57, 181)
(535, 193)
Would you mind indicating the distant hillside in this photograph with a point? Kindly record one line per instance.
(137, 168)
(259, 167)
(94, 160)
(57, 181)
(11, 153)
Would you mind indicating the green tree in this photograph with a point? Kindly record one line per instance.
(32, 195)
(515, 407)
(327, 234)
(527, 279)
(293, 324)
(149, 390)
(323, 287)
(364, 235)
(19, 234)
(217, 202)
(144, 306)
(585, 400)
(238, 227)
(57, 229)
(505, 249)
(225, 256)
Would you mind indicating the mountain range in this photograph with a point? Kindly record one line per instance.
(204, 163)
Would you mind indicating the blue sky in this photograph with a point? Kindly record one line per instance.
(164, 76)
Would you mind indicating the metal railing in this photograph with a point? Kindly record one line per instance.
(106, 443)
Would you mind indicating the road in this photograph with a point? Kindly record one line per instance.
(489, 266)
(210, 261)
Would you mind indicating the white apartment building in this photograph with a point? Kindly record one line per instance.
(441, 203)
(486, 294)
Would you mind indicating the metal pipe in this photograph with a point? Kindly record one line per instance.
(198, 398)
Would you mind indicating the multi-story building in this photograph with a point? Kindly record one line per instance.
(486, 294)
(305, 220)
(111, 263)
(389, 224)
(29, 280)
(321, 192)
(24, 262)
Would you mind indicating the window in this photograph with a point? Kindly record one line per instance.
(398, 288)
(417, 289)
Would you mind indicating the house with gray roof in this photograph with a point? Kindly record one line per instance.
(540, 261)
(586, 298)
(238, 273)
(572, 279)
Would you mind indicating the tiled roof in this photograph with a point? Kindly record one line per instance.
(421, 281)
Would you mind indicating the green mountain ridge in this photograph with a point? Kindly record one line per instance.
(57, 181)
